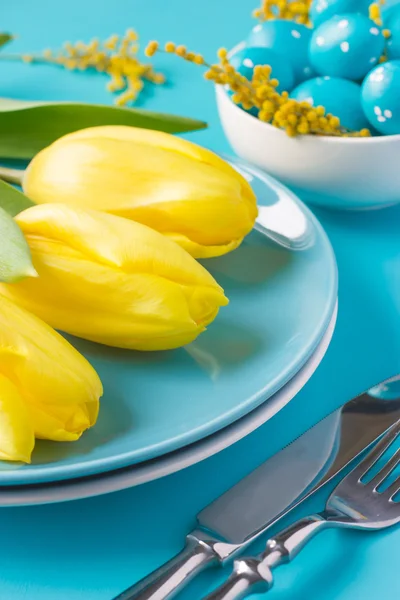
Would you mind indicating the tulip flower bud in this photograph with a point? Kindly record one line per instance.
(178, 188)
(47, 389)
(113, 281)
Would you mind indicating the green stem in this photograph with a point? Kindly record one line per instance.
(12, 175)
(5, 56)
(29, 58)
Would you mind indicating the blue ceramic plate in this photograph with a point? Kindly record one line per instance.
(281, 303)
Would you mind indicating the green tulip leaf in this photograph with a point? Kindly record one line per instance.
(15, 257)
(5, 38)
(27, 127)
(13, 201)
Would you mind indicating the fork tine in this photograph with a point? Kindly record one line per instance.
(393, 488)
(375, 454)
(391, 464)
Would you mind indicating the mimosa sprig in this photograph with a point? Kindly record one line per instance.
(292, 10)
(296, 118)
(117, 57)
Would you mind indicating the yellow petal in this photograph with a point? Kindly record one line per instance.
(164, 141)
(167, 183)
(113, 281)
(16, 432)
(45, 368)
(61, 423)
(200, 251)
(111, 241)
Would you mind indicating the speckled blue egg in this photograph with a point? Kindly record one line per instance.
(340, 97)
(389, 9)
(322, 10)
(393, 43)
(246, 59)
(287, 39)
(346, 46)
(380, 96)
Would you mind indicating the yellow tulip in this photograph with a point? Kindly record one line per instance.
(178, 188)
(47, 389)
(113, 281)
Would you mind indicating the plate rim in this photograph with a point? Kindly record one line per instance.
(49, 473)
(173, 462)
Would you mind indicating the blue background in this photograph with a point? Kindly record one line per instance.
(92, 549)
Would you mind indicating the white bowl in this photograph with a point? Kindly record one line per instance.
(344, 173)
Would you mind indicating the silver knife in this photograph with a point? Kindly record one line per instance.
(249, 508)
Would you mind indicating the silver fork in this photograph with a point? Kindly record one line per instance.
(353, 504)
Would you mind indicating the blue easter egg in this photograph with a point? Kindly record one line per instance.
(288, 39)
(380, 96)
(340, 97)
(322, 10)
(388, 10)
(393, 43)
(246, 59)
(347, 46)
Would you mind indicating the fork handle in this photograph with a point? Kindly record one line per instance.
(254, 575)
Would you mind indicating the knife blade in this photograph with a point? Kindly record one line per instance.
(243, 513)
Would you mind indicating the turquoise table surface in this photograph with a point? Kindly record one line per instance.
(92, 549)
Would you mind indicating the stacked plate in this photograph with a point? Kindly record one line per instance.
(164, 411)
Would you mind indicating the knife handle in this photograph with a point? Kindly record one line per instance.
(169, 579)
